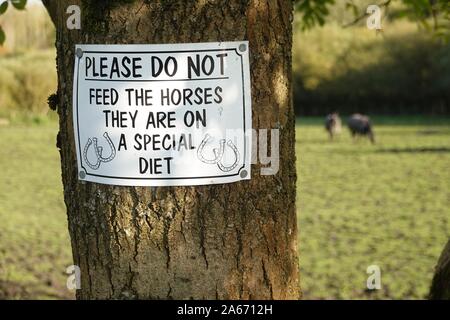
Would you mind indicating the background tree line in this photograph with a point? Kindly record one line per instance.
(341, 65)
(338, 64)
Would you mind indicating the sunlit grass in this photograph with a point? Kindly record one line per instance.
(360, 204)
(34, 241)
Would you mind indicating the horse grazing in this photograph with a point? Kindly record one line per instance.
(360, 125)
(333, 124)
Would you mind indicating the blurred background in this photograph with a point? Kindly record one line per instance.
(359, 204)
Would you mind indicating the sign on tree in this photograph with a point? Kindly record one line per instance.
(156, 115)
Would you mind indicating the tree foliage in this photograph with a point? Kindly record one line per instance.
(4, 4)
(313, 12)
(432, 14)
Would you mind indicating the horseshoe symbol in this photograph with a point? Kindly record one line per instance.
(236, 157)
(86, 148)
(98, 151)
(218, 154)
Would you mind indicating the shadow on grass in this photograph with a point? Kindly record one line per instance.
(305, 141)
(415, 150)
(380, 131)
(10, 290)
(374, 150)
(432, 132)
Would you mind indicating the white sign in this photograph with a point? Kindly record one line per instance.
(163, 115)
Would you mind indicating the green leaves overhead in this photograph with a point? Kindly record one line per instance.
(314, 12)
(4, 4)
(19, 4)
(2, 36)
(3, 7)
(432, 14)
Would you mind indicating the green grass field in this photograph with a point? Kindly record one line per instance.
(358, 205)
(34, 241)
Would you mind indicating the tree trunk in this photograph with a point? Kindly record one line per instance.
(440, 287)
(231, 241)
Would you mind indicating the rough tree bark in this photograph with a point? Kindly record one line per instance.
(440, 287)
(232, 241)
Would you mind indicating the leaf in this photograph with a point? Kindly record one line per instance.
(2, 36)
(19, 4)
(352, 7)
(3, 7)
